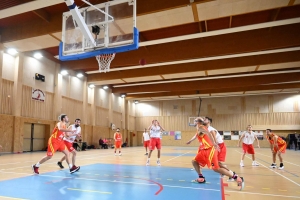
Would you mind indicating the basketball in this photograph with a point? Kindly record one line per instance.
(142, 61)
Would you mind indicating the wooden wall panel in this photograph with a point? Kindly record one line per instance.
(102, 117)
(6, 132)
(100, 132)
(89, 115)
(73, 108)
(36, 109)
(6, 97)
(117, 119)
(132, 123)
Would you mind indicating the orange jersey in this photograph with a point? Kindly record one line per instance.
(118, 137)
(280, 141)
(57, 134)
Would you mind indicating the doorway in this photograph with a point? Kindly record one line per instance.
(34, 137)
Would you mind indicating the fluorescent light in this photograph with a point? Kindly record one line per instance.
(64, 72)
(79, 75)
(105, 87)
(123, 95)
(91, 86)
(38, 55)
(136, 101)
(12, 51)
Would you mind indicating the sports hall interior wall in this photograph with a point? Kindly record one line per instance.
(279, 112)
(97, 108)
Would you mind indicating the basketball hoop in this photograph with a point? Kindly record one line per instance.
(104, 61)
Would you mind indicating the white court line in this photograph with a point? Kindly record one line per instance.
(115, 181)
(284, 160)
(92, 157)
(274, 171)
(273, 195)
(176, 157)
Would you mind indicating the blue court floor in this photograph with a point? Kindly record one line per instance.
(108, 181)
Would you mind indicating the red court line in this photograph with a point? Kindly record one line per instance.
(222, 189)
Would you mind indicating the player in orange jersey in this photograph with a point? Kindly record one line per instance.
(207, 154)
(56, 143)
(278, 146)
(118, 141)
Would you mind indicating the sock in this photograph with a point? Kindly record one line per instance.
(242, 161)
(148, 159)
(70, 166)
(37, 164)
(201, 176)
(157, 159)
(234, 176)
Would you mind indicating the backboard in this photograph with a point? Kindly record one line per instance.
(118, 32)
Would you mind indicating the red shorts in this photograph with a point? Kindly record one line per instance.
(155, 142)
(146, 143)
(280, 148)
(117, 144)
(55, 145)
(248, 148)
(222, 152)
(69, 146)
(207, 157)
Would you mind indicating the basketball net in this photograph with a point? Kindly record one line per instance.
(104, 61)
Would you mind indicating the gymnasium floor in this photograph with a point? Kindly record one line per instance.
(105, 176)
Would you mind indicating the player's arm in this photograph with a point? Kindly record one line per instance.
(257, 141)
(239, 142)
(214, 139)
(115, 136)
(275, 138)
(192, 139)
(62, 129)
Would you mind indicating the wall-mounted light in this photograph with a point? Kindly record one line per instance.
(12, 51)
(123, 95)
(79, 75)
(64, 72)
(105, 87)
(38, 55)
(136, 101)
(91, 86)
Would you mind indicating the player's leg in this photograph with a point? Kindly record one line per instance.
(120, 147)
(197, 167)
(280, 152)
(72, 167)
(59, 163)
(146, 144)
(115, 148)
(158, 147)
(151, 148)
(274, 153)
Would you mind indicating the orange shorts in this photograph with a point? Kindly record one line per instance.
(146, 143)
(55, 145)
(69, 146)
(207, 157)
(248, 148)
(280, 148)
(222, 152)
(155, 142)
(118, 144)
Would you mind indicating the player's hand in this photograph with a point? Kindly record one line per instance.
(238, 145)
(189, 142)
(217, 147)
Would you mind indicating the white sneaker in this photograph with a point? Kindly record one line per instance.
(148, 163)
(115, 154)
(273, 166)
(120, 154)
(281, 167)
(254, 163)
(158, 163)
(242, 164)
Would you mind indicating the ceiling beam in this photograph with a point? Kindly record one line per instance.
(23, 31)
(218, 90)
(212, 83)
(249, 41)
(42, 14)
(199, 66)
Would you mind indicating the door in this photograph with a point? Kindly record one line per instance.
(34, 137)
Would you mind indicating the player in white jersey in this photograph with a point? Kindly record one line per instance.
(248, 138)
(146, 140)
(155, 133)
(70, 140)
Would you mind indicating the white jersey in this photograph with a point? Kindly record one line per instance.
(218, 136)
(249, 137)
(72, 138)
(146, 136)
(155, 132)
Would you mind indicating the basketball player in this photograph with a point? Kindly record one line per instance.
(278, 146)
(222, 147)
(56, 143)
(118, 141)
(248, 138)
(146, 140)
(155, 133)
(69, 142)
(207, 154)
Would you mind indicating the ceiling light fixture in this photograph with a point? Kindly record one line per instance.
(64, 72)
(79, 75)
(38, 55)
(12, 51)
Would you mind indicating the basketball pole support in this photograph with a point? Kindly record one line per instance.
(80, 21)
